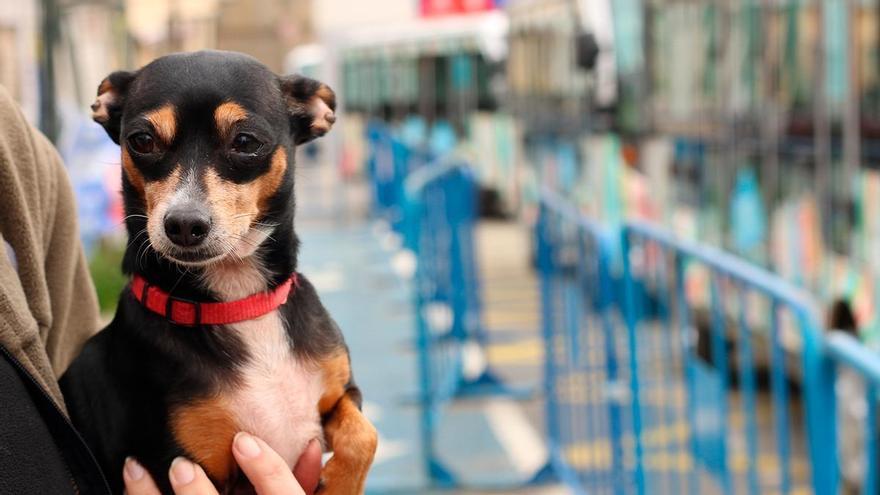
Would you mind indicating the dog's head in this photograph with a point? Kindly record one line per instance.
(207, 143)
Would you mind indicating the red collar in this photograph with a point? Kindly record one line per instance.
(191, 313)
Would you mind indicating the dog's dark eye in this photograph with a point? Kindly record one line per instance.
(142, 143)
(246, 144)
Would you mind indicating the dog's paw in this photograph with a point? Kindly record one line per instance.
(337, 482)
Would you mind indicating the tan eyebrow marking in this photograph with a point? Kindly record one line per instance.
(164, 121)
(226, 115)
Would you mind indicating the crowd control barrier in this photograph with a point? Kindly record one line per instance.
(440, 213)
(389, 162)
(723, 387)
(585, 379)
(669, 366)
(712, 375)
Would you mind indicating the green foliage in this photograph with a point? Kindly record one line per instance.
(106, 268)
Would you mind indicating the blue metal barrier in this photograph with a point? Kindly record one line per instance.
(441, 197)
(584, 384)
(379, 166)
(702, 408)
(670, 366)
(434, 224)
(389, 162)
(440, 216)
(672, 400)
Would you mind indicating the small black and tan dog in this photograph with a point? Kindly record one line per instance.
(216, 333)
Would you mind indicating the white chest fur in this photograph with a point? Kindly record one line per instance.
(277, 395)
(277, 398)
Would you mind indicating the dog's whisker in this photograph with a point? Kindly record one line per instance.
(141, 252)
(140, 233)
(126, 218)
(145, 254)
(178, 281)
(267, 234)
(230, 249)
(233, 251)
(249, 242)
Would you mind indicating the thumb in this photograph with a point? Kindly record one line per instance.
(308, 468)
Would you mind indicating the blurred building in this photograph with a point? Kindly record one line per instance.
(91, 38)
(266, 29)
(19, 31)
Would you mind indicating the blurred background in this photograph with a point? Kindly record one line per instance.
(470, 222)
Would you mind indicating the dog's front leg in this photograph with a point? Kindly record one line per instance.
(348, 433)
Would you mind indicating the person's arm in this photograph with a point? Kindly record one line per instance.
(48, 305)
(265, 469)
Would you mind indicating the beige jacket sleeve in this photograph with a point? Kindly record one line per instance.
(48, 305)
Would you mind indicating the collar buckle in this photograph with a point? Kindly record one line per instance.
(197, 310)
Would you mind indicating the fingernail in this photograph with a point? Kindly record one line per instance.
(182, 471)
(133, 470)
(246, 445)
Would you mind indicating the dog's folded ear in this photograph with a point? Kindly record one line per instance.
(107, 108)
(311, 107)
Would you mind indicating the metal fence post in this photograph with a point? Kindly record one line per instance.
(545, 268)
(631, 324)
(688, 357)
(821, 410)
(411, 224)
(547, 472)
(606, 305)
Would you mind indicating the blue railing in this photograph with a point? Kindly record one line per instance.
(670, 366)
(389, 162)
(584, 410)
(440, 212)
(750, 316)
(438, 226)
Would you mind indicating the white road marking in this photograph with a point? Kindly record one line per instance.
(518, 437)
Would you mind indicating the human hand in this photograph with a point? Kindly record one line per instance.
(266, 470)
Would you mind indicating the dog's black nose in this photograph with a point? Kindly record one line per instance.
(187, 227)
